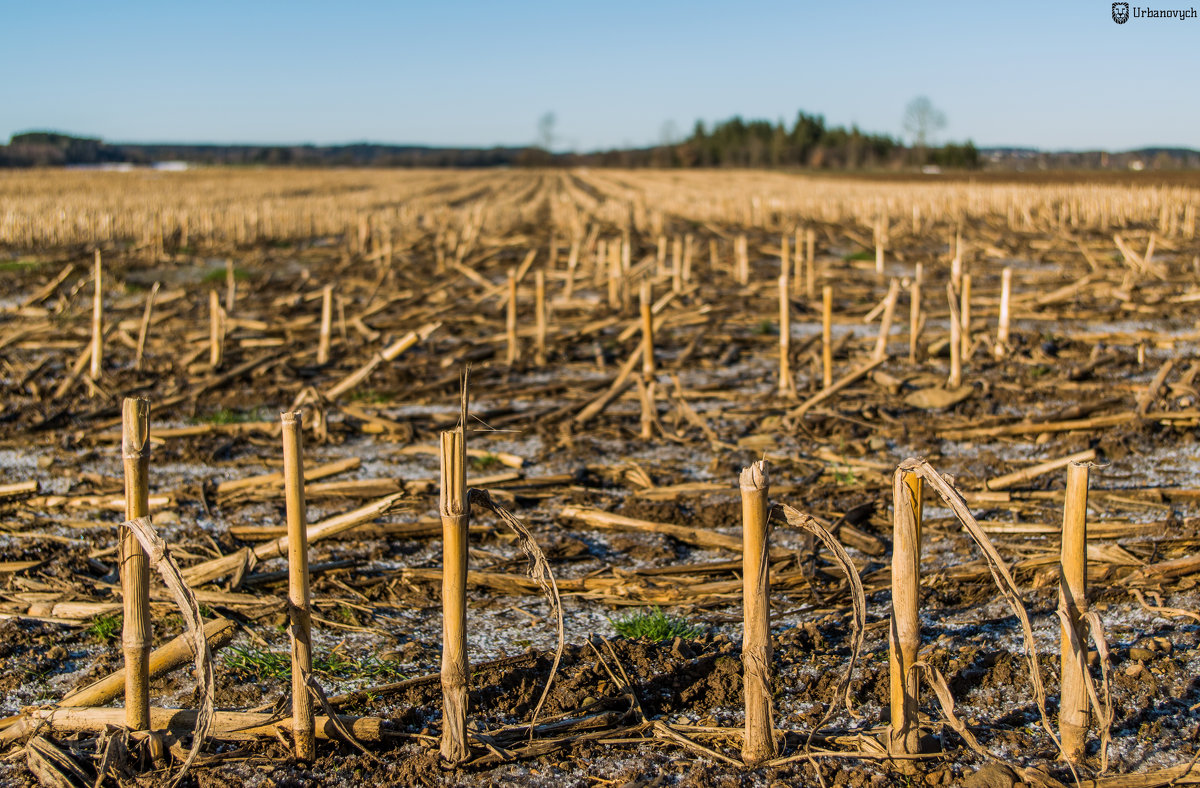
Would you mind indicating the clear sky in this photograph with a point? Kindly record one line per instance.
(1007, 72)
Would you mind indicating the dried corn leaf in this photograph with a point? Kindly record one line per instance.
(162, 561)
(539, 570)
(1000, 573)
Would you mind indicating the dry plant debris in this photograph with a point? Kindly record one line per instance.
(623, 332)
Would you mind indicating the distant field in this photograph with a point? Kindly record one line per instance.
(242, 205)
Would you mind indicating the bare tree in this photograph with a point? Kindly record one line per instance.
(922, 120)
(668, 133)
(546, 134)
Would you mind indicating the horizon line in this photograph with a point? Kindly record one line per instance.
(534, 145)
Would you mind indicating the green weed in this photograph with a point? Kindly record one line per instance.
(259, 663)
(764, 328)
(845, 475)
(18, 265)
(217, 275)
(345, 614)
(105, 629)
(655, 625)
(487, 462)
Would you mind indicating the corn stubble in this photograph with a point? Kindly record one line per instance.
(776, 248)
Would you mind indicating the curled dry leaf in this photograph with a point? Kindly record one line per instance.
(539, 570)
(798, 519)
(1000, 574)
(946, 703)
(162, 561)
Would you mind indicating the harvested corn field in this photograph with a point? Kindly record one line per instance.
(599, 477)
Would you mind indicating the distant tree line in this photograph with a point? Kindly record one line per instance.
(47, 149)
(809, 143)
(731, 143)
(40, 149)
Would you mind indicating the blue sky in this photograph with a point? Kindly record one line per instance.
(1007, 72)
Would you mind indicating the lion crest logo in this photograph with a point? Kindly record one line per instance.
(1120, 13)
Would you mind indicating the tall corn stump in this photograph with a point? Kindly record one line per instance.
(759, 744)
(455, 668)
(299, 601)
(1073, 716)
(136, 636)
(904, 636)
